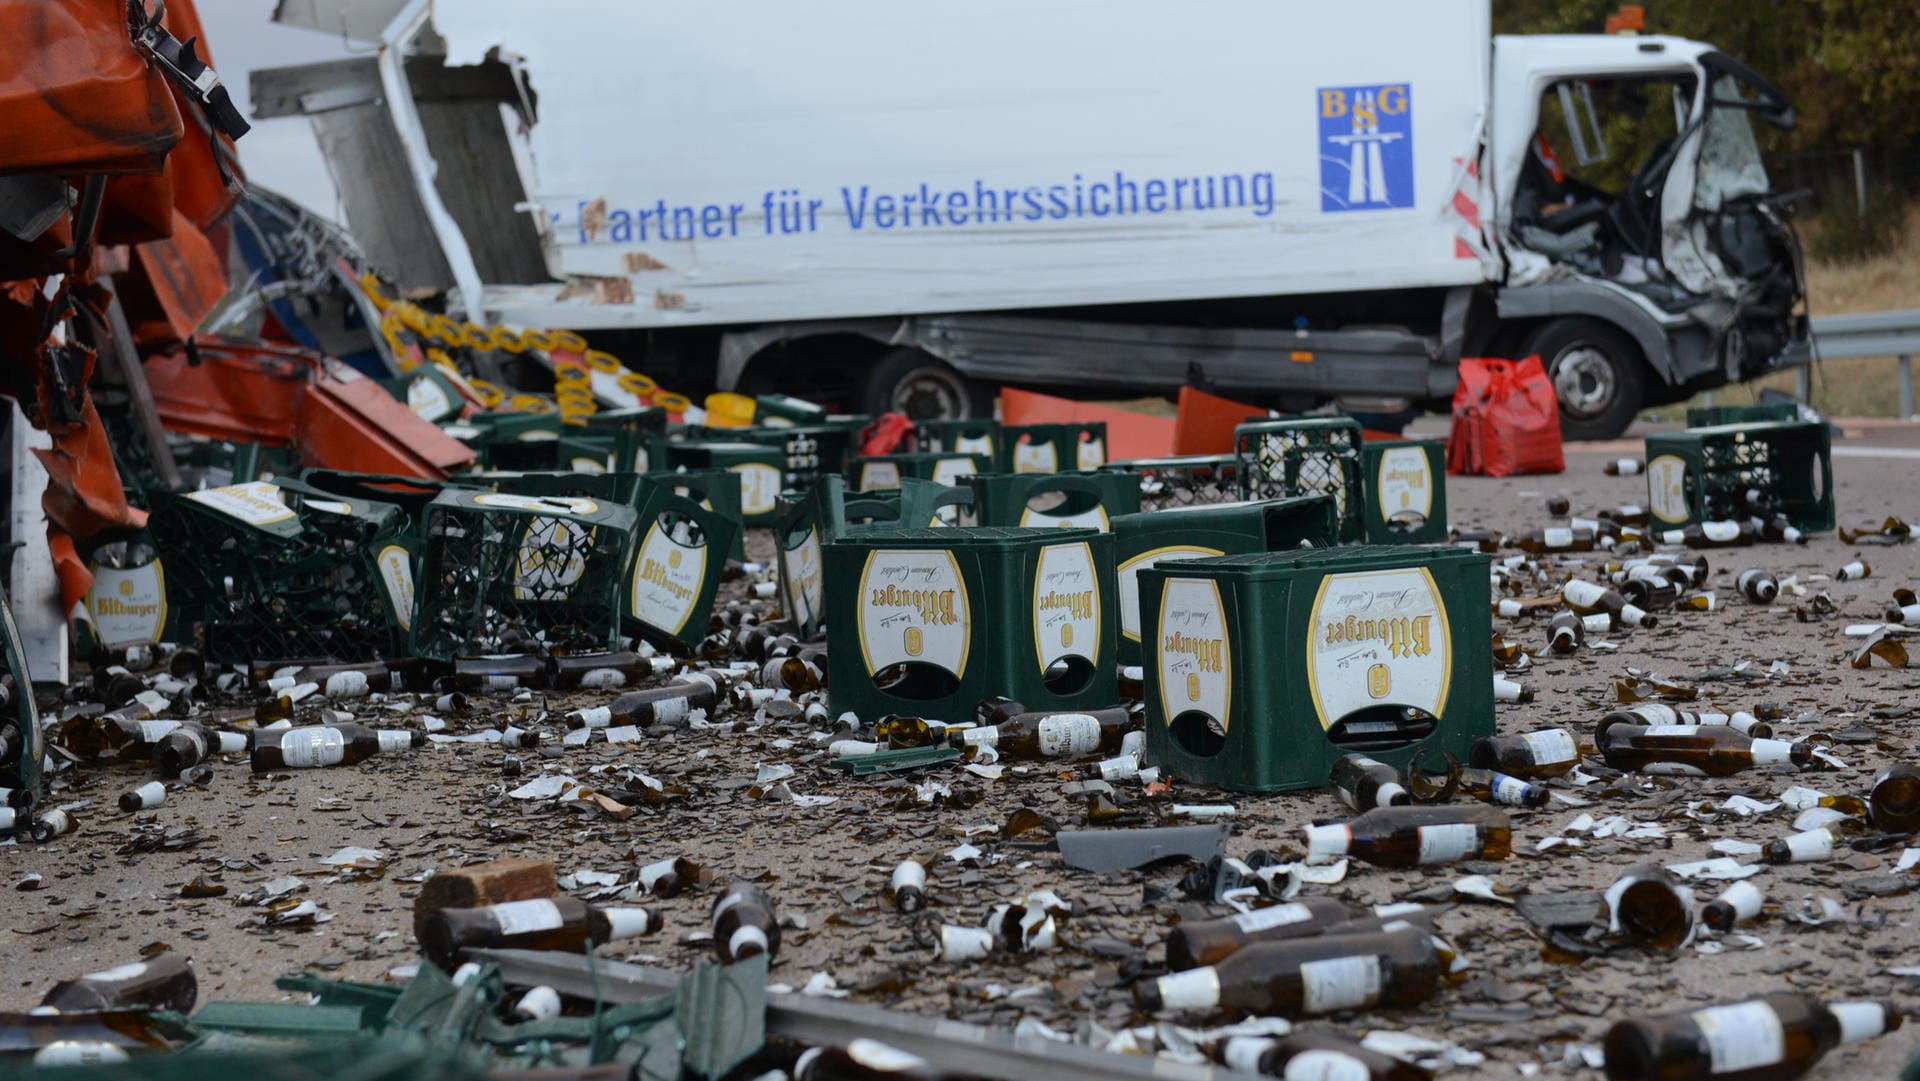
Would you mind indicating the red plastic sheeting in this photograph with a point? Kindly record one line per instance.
(1129, 434)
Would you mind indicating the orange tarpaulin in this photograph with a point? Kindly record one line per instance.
(1203, 423)
(1129, 434)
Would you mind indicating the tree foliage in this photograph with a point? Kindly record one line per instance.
(1851, 67)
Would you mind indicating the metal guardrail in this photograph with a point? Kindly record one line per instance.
(1866, 334)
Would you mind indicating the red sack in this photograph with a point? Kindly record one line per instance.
(1506, 420)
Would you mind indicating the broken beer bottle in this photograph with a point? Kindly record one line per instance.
(1694, 750)
(744, 923)
(1414, 836)
(1364, 783)
(1193, 943)
(1320, 974)
(1052, 735)
(1770, 1038)
(654, 705)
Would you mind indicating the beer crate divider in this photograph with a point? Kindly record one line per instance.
(878, 472)
(952, 616)
(1304, 456)
(1053, 500)
(1704, 474)
(1183, 481)
(1405, 487)
(682, 549)
(1053, 448)
(1263, 669)
(285, 569)
(975, 435)
(552, 567)
(1151, 538)
(759, 470)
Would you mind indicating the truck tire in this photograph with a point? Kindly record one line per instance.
(1597, 372)
(924, 387)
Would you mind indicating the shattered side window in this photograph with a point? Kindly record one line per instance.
(1730, 165)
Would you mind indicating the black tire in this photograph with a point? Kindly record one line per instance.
(924, 387)
(1598, 374)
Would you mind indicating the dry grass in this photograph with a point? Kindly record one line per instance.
(1847, 388)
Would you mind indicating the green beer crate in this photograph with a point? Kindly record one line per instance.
(812, 451)
(828, 511)
(786, 411)
(517, 441)
(1405, 485)
(759, 470)
(1713, 416)
(639, 436)
(1183, 481)
(1263, 669)
(283, 569)
(1053, 500)
(1053, 448)
(676, 569)
(1304, 456)
(1737, 471)
(22, 773)
(428, 392)
(1145, 540)
(977, 435)
(942, 618)
(501, 567)
(880, 471)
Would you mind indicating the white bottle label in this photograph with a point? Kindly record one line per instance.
(1746, 1036)
(1326, 843)
(1319, 1064)
(128, 605)
(800, 579)
(255, 503)
(596, 717)
(1655, 713)
(395, 739)
(1672, 769)
(1242, 1053)
(152, 731)
(346, 685)
(1066, 604)
(760, 486)
(1667, 488)
(1770, 752)
(428, 398)
(528, 917)
(913, 607)
(1584, 594)
(1745, 898)
(1720, 531)
(1262, 919)
(950, 471)
(1670, 730)
(396, 573)
(1551, 746)
(1375, 638)
(1069, 735)
(1343, 983)
(1127, 578)
(667, 580)
(1444, 844)
(1558, 537)
(1037, 457)
(875, 476)
(1087, 519)
(1511, 791)
(1404, 483)
(884, 1058)
(973, 444)
(1195, 654)
(671, 710)
(601, 679)
(312, 748)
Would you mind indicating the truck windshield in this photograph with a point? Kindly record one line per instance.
(1730, 166)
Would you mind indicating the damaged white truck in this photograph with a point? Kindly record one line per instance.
(905, 208)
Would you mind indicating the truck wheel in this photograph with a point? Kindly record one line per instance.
(923, 387)
(1597, 372)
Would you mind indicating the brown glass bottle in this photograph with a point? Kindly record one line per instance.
(744, 923)
(1314, 1056)
(191, 744)
(1492, 786)
(1565, 633)
(667, 878)
(1529, 756)
(163, 982)
(557, 923)
(900, 731)
(604, 671)
(1740, 901)
(1893, 800)
(1644, 905)
(114, 735)
(1694, 750)
(1193, 943)
(907, 886)
(794, 673)
(654, 705)
(1650, 713)
(326, 745)
(1052, 735)
(1415, 836)
(1651, 592)
(1770, 1038)
(500, 671)
(1712, 535)
(1315, 975)
(1624, 467)
(1589, 598)
(1758, 586)
(1364, 783)
(1553, 539)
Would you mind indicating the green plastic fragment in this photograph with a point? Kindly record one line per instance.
(373, 1000)
(888, 761)
(282, 1020)
(722, 1013)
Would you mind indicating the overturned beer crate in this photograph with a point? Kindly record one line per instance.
(1297, 456)
(1405, 491)
(283, 569)
(683, 548)
(1148, 539)
(1263, 669)
(1053, 500)
(759, 470)
(975, 435)
(1183, 481)
(23, 760)
(1053, 448)
(828, 511)
(1737, 471)
(942, 618)
(508, 573)
(876, 472)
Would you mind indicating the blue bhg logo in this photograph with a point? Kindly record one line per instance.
(1366, 147)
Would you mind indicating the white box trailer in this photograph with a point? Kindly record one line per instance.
(903, 207)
